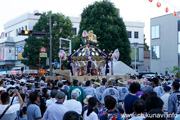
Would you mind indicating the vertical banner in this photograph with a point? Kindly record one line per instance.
(19, 52)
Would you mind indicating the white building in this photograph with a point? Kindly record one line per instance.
(136, 38)
(12, 44)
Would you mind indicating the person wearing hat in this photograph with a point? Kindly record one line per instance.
(78, 89)
(96, 84)
(56, 111)
(165, 97)
(86, 106)
(123, 91)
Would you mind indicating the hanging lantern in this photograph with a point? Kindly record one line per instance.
(167, 9)
(158, 4)
(150, 0)
(174, 13)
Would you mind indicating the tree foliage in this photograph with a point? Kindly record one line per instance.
(103, 18)
(146, 47)
(61, 27)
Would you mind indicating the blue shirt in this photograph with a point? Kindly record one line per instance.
(128, 103)
(33, 112)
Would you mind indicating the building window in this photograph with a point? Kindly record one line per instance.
(26, 27)
(5, 34)
(136, 35)
(155, 32)
(155, 52)
(129, 34)
(75, 30)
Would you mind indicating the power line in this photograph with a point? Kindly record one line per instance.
(171, 4)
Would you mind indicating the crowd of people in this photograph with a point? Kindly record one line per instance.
(26, 97)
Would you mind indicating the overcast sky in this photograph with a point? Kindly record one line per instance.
(133, 10)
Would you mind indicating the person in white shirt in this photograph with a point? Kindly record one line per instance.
(53, 99)
(90, 114)
(56, 111)
(158, 89)
(165, 97)
(11, 112)
(73, 104)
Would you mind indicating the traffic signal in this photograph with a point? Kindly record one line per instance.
(33, 33)
(25, 32)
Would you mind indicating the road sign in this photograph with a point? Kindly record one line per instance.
(43, 54)
(43, 49)
(62, 54)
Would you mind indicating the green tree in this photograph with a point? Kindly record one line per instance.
(61, 27)
(146, 47)
(103, 18)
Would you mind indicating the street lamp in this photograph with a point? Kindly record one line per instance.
(135, 46)
(50, 33)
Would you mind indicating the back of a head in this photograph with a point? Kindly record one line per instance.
(5, 97)
(155, 80)
(75, 82)
(44, 90)
(74, 95)
(71, 115)
(139, 106)
(23, 96)
(113, 80)
(154, 102)
(104, 80)
(145, 96)
(33, 96)
(110, 83)
(53, 93)
(88, 83)
(176, 85)
(92, 102)
(155, 114)
(60, 84)
(110, 102)
(153, 93)
(60, 95)
(134, 87)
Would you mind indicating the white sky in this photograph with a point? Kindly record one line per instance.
(134, 10)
